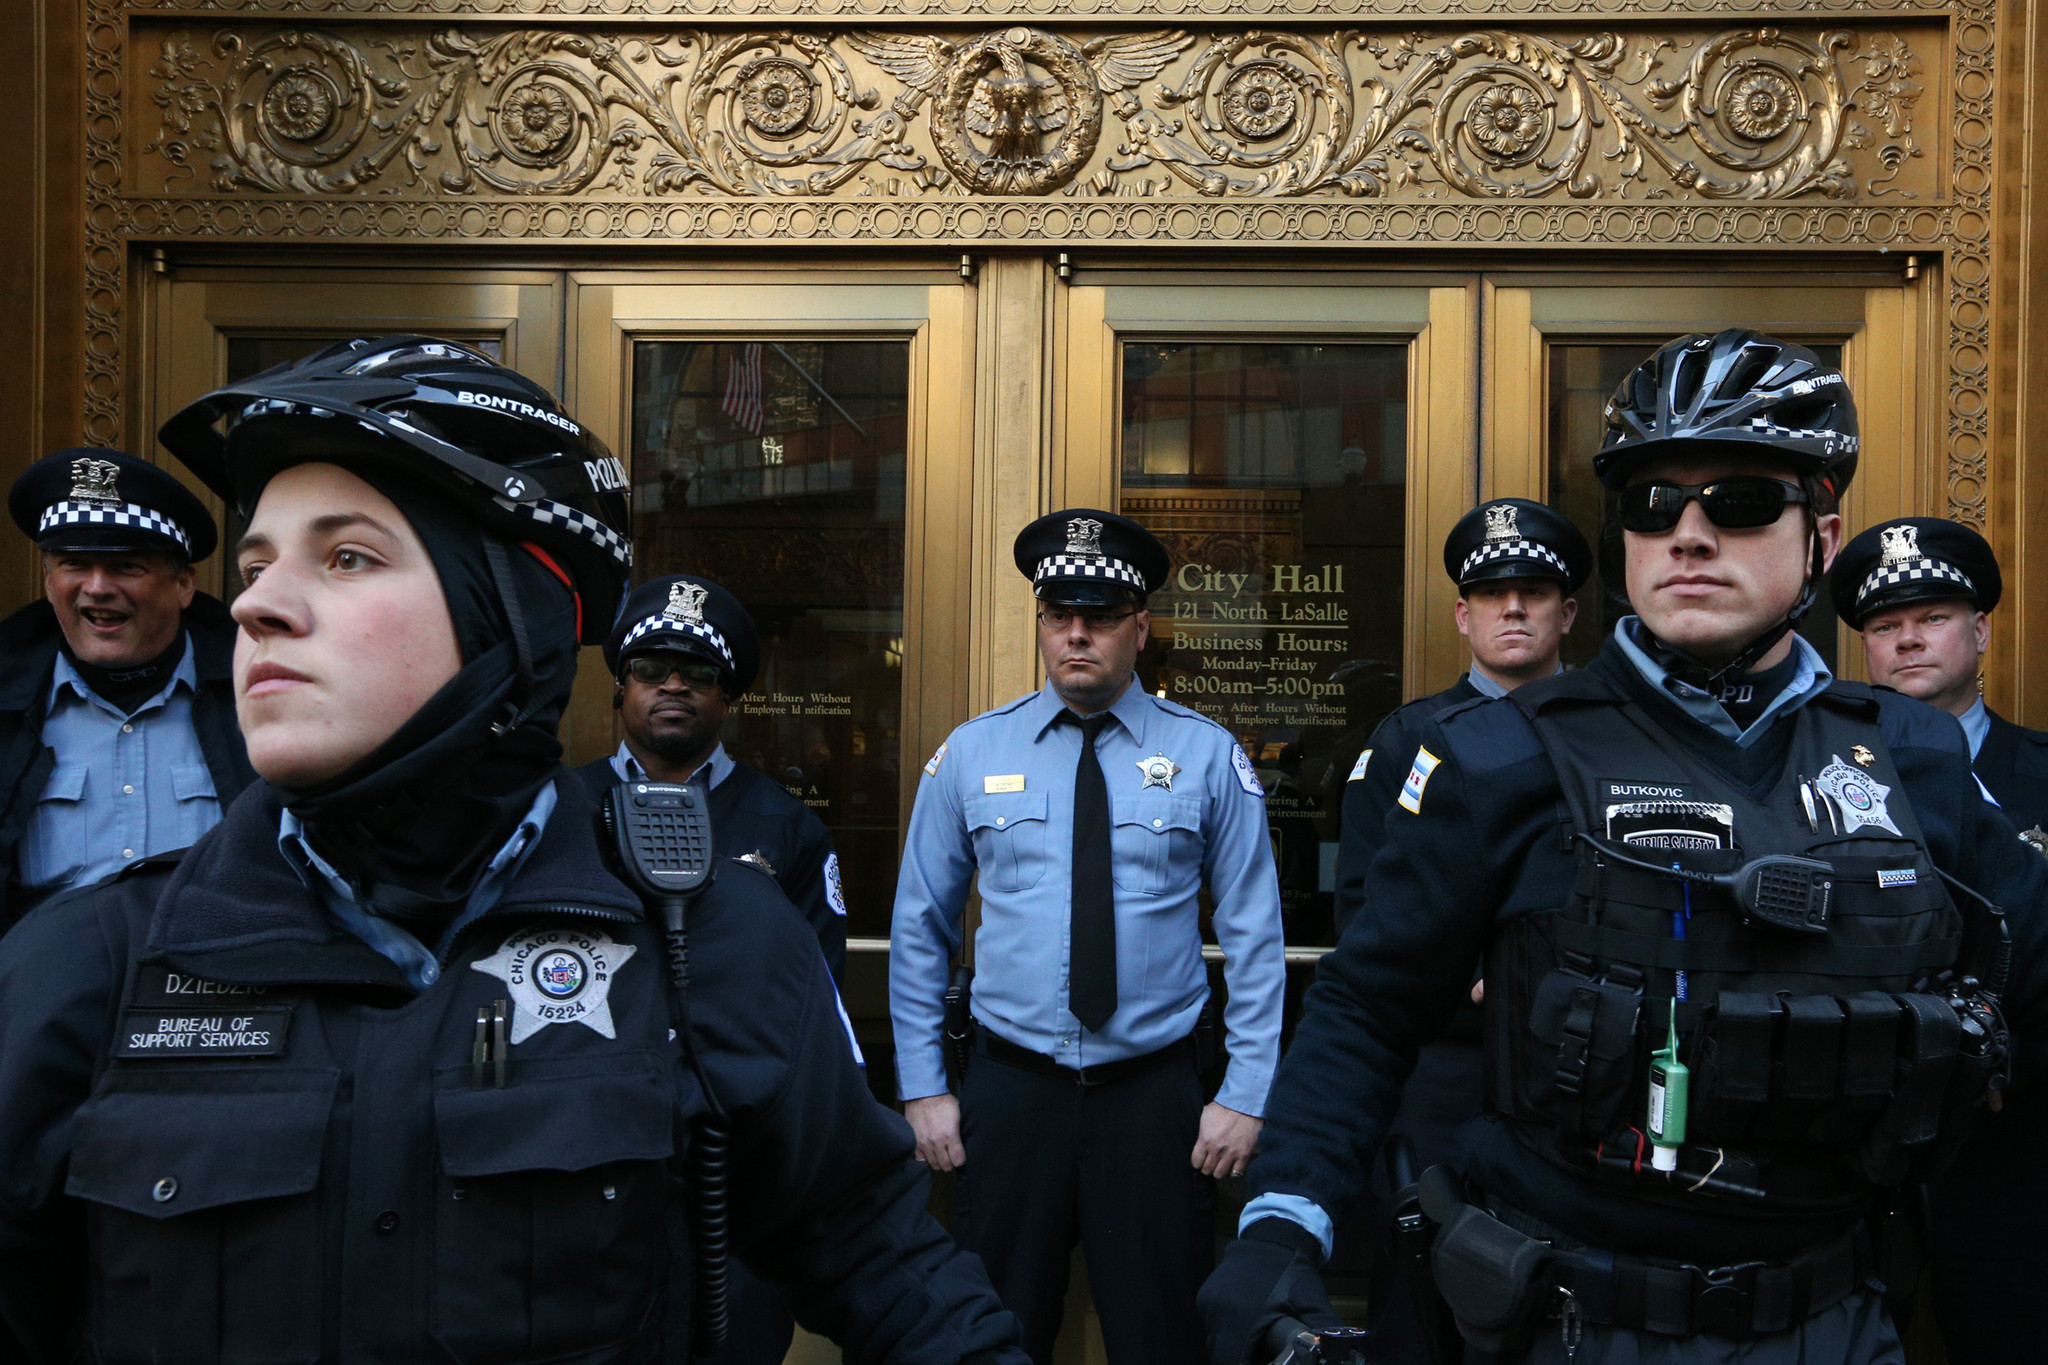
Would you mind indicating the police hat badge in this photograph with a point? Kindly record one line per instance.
(93, 481)
(1501, 522)
(685, 603)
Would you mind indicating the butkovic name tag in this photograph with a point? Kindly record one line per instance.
(231, 1032)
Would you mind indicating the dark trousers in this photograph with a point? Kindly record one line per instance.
(1050, 1162)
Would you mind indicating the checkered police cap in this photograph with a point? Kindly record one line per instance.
(1885, 577)
(664, 624)
(1089, 566)
(60, 515)
(1527, 550)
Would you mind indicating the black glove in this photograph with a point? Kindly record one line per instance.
(1268, 1274)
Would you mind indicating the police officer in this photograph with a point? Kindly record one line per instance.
(1091, 812)
(682, 652)
(117, 722)
(387, 1067)
(1517, 565)
(1922, 590)
(1705, 1076)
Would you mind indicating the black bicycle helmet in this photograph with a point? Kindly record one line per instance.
(1736, 388)
(440, 411)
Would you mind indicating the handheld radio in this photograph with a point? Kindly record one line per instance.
(663, 834)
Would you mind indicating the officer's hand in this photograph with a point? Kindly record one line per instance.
(935, 1121)
(1226, 1141)
(1479, 991)
(1268, 1274)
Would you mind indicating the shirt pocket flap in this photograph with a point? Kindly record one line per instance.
(1160, 816)
(1001, 810)
(190, 780)
(160, 1154)
(67, 783)
(556, 1114)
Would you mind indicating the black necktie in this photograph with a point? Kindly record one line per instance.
(1091, 989)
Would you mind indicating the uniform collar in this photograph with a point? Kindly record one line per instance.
(1130, 709)
(1487, 687)
(629, 768)
(63, 675)
(419, 963)
(1810, 681)
(1976, 726)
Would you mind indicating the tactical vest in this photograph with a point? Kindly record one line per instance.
(1824, 1061)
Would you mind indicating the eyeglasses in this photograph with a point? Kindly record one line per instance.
(1059, 618)
(656, 669)
(1736, 503)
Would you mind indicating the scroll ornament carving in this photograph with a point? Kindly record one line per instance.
(1749, 114)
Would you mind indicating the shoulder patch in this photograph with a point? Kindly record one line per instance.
(1417, 780)
(931, 767)
(835, 891)
(1246, 778)
(1358, 768)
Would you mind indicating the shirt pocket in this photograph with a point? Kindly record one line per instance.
(1156, 842)
(55, 846)
(203, 1214)
(549, 1236)
(1008, 829)
(198, 805)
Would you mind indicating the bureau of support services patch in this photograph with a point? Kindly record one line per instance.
(241, 1032)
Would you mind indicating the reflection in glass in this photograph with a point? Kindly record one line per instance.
(1582, 378)
(1277, 477)
(777, 469)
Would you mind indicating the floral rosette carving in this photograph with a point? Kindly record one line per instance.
(286, 109)
(1257, 111)
(763, 102)
(1768, 108)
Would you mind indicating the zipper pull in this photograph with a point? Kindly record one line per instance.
(499, 1010)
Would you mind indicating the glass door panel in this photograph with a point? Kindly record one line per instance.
(777, 468)
(1276, 473)
(1301, 450)
(1557, 345)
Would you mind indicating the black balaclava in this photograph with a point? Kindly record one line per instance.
(413, 824)
(131, 685)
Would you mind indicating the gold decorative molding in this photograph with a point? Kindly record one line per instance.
(203, 122)
(1754, 114)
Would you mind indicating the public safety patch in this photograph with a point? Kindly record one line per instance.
(1417, 779)
(558, 976)
(1358, 768)
(1897, 876)
(1859, 796)
(237, 1032)
(931, 767)
(835, 890)
(1246, 778)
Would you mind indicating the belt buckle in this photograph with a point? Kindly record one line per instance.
(1724, 1299)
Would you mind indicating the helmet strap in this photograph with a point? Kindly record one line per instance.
(1712, 679)
(522, 703)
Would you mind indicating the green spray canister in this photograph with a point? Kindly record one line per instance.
(1670, 1086)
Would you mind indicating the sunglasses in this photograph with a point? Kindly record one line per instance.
(656, 669)
(1737, 503)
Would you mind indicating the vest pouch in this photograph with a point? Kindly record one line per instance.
(549, 1238)
(203, 1216)
(1929, 1036)
(1585, 1071)
(1813, 1069)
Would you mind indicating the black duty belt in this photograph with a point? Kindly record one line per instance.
(1752, 1299)
(1002, 1050)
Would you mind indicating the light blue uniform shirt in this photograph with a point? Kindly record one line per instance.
(420, 963)
(1811, 679)
(124, 786)
(1976, 727)
(629, 770)
(997, 800)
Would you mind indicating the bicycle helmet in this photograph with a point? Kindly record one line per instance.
(1740, 389)
(442, 412)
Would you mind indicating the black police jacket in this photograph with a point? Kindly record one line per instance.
(2013, 764)
(1490, 845)
(29, 642)
(755, 818)
(230, 1131)
(1371, 794)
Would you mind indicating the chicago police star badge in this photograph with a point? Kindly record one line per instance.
(1158, 770)
(558, 976)
(1859, 796)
